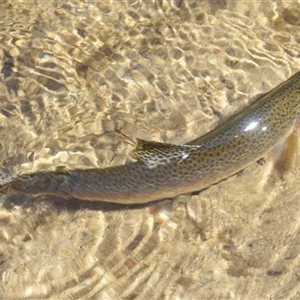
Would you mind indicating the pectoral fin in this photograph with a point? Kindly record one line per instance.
(285, 154)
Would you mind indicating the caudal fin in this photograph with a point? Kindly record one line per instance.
(7, 178)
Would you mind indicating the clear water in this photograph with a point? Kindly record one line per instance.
(78, 82)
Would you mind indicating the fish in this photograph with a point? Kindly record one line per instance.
(163, 170)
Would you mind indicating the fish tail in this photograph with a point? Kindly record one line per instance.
(6, 178)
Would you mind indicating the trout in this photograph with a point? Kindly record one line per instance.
(166, 170)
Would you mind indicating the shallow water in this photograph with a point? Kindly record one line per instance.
(78, 82)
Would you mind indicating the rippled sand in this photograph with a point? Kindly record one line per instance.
(78, 82)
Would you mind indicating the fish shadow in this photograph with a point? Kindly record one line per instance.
(9, 201)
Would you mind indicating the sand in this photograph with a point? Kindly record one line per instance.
(80, 81)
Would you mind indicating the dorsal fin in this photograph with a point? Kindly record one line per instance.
(147, 151)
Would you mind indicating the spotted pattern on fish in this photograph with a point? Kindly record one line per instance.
(164, 170)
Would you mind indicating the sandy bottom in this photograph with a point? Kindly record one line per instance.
(78, 83)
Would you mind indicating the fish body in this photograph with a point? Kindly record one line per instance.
(166, 170)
